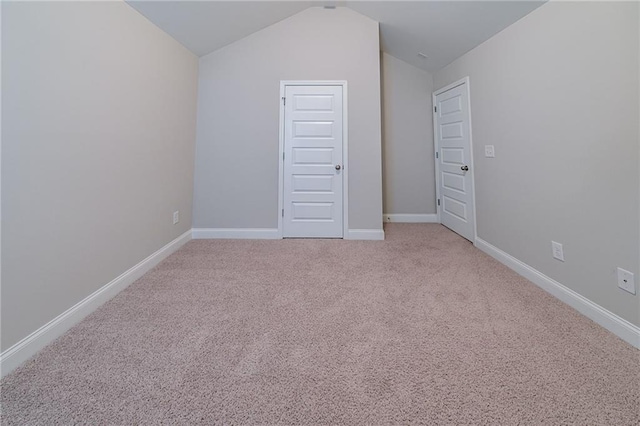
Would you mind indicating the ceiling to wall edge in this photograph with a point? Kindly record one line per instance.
(408, 56)
(267, 26)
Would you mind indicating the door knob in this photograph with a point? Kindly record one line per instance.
(338, 167)
(464, 168)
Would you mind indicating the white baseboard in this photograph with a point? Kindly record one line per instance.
(236, 233)
(612, 322)
(410, 218)
(273, 234)
(27, 347)
(365, 234)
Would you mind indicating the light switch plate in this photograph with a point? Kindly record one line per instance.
(626, 281)
(489, 151)
(557, 251)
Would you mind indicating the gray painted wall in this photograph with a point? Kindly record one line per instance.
(98, 135)
(236, 180)
(408, 167)
(557, 94)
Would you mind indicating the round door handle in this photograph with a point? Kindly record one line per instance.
(464, 168)
(338, 166)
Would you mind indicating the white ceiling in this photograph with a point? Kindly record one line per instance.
(442, 30)
(205, 26)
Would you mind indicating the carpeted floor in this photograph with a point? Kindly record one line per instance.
(421, 328)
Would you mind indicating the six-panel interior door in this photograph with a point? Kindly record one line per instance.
(454, 152)
(313, 162)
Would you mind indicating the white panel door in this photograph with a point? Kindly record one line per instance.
(313, 162)
(453, 140)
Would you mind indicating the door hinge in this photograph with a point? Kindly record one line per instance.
(282, 212)
(284, 100)
(438, 201)
(435, 109)
(437, 154)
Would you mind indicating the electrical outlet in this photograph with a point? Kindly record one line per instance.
(176, 217)
(626, 281)
(489, 151)
(556, 250)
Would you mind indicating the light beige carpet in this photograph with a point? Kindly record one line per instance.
(419, 329)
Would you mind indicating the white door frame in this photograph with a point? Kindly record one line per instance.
(345, 150)
(460, 82)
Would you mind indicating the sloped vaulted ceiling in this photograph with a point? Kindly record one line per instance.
(441, 30)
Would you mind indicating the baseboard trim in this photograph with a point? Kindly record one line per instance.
(30, 345)
(236, 233)
(273, 234)
(607, 319)
(365, 234)
(410, 218)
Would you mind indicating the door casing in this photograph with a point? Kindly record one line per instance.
(345, 150)
(436, 146)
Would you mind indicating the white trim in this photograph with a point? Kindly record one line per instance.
(471, 158)
(236, 233)
(313, 83)
(345, 160)
(281, 160)
(607, 319)
(345, 148)
(460, 82)
(410, 218)
(365, 234)
(451, 86)
(436, 149)
(30, 345)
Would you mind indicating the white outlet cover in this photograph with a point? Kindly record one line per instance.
(557, 251)
(176, 217)
(489, 151)
(626, 281)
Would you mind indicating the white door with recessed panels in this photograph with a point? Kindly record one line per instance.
(313, 162)
(454, 162)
